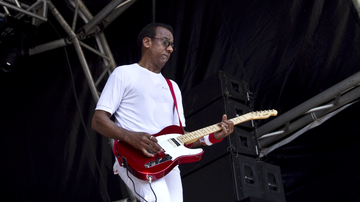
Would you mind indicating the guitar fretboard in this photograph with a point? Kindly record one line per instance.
(191, 137)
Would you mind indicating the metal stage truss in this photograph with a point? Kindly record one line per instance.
(94, 26)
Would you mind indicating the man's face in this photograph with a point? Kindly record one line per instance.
(161, 46)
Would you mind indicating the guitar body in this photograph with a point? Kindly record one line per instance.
(157, 167)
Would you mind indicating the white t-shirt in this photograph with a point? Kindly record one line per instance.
(141, 100)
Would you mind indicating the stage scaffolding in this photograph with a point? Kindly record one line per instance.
(94, 27)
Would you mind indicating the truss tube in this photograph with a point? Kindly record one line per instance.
(83, 9)
(18, 16)
(313, 102)
(75, 15)
(78, 49)
(100, 37)
(102, 75)
(93, 50)
(17, 3)
(308, 118)
(119, 10)
(49, 46)
(23, 11)
(101, 15)
(357, 6)
(107, 50)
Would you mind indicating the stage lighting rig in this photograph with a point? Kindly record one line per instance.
(11, 55)
(18, 23)
(13, 42)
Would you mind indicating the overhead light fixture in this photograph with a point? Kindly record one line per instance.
(9, 60)
(13, 42)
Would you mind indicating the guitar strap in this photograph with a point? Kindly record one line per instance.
(173, 95)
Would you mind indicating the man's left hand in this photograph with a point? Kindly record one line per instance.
(227, 128)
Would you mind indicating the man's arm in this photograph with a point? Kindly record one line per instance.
(102, 123)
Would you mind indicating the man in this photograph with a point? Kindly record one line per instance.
(140, 98)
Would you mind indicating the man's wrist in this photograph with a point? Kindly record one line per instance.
(209, 140)
(213, 140)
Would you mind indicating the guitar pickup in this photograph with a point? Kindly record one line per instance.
(158, 161)
(173, 142)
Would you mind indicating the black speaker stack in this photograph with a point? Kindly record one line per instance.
(230, 170)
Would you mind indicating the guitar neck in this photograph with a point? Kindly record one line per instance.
(191, 137)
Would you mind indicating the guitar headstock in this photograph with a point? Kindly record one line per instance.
(263, 114)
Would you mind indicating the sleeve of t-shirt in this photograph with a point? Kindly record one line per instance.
(112, 93)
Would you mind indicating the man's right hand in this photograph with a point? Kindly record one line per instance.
(144, 142)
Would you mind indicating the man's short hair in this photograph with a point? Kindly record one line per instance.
(150, 31)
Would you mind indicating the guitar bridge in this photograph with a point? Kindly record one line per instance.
(158, 161)
(173, 142)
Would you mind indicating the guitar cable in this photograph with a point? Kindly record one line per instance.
(127, 172)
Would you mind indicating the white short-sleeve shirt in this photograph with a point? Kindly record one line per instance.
(141, 100)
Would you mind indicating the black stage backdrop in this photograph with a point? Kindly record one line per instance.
(288, 51)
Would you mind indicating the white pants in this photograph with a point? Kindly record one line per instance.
(167, 189)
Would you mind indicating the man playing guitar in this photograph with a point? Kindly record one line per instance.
(141, 100)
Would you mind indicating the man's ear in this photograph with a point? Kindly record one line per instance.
(146, 42)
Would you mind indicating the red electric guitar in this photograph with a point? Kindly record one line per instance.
(172, 139)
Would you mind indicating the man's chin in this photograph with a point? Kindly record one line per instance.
(164, 60)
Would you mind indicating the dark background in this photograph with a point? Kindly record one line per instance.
(288, 51)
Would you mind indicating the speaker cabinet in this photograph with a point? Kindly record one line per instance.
(234, 177)
(206, 104)
(213, 88)
(229, 170)
(271, 186)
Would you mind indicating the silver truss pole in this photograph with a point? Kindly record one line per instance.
(100, 37)
(75, 15)
(95, 21)
(78, 49)
(7, 5)
(118, 11)
(356, 4)
(37, 3)
(93, 50)
(104, 49)
(49, 46)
